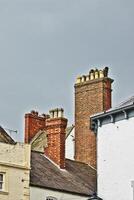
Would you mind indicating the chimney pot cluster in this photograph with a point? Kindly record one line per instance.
(56, 113)
(36, 114)
(45, 116)
(33, 112)
(93, 74)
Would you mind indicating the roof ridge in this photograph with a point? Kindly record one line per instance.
(76, 161)
(35, 151)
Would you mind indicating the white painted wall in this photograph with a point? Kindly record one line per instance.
(116, 160)
(41, 194)
(69, 148)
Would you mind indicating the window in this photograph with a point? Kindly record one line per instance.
(132, 185)
(1, 181)
(51, 198)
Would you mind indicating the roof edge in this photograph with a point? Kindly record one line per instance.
(111, 111)
(61, 190)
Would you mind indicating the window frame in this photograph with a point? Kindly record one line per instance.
(51, 198)
(2, 181)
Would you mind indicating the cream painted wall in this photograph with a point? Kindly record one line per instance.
(41, 194)
(116, 160)
(15, 166)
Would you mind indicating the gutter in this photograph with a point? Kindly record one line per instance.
(110, 112)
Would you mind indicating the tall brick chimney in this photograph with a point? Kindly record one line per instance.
(33, 123)
(56, 130)
(92, 95)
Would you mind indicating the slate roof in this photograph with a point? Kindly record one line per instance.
(125, 104)
(78, 178)
(4, 137)
(128, 102)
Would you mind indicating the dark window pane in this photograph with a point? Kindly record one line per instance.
(1, 186)
(51, 198)
(1, 177)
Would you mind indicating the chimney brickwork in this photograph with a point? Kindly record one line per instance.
(56, 130)
(34, 123)
(55, 125)
(92, 95)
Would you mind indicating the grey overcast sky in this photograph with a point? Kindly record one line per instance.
(46, 44)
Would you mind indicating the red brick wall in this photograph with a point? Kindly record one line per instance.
(107, 98)
(33, 123)
(56, 140)
(91, 97)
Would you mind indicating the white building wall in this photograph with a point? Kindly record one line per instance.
(69, 148)
(42, 194)
(116, 160)
(15, 166)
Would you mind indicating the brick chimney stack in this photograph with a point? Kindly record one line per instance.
(92, 95)
(55, 125)
(56, 130)
(34, 123)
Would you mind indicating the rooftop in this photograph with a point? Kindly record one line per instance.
(78, 178)
(4, 137)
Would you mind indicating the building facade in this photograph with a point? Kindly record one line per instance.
(115, 147)
(14, 171)
(49, 194)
